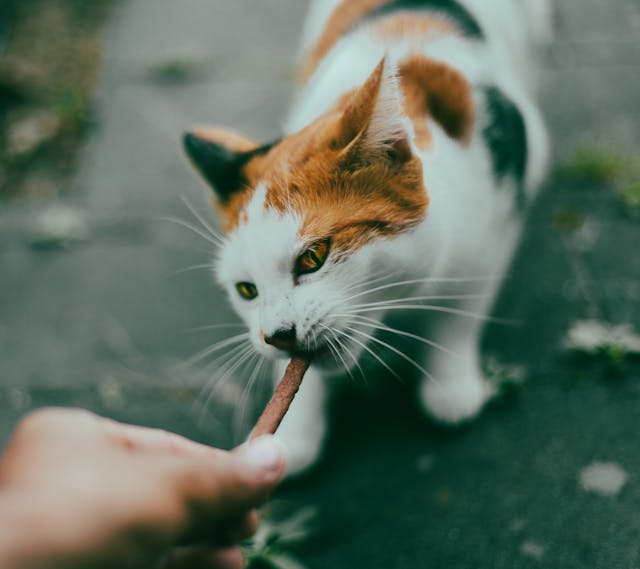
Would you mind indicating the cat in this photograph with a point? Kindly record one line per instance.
(412, 148)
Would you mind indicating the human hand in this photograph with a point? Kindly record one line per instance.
(77, 491)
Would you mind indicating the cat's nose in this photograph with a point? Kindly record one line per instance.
(284, 339)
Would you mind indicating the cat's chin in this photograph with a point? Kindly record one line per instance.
(324, 361)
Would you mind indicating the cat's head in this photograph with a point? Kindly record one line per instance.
(307, 217)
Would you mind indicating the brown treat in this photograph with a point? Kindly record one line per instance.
(282, 398)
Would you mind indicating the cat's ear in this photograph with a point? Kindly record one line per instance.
(220, 156)
(373, 123)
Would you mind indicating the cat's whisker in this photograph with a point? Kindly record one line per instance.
(371, 323)
(428, 280)
(220, 364)
(241, 360)
(422, 298)
(435, 308)
(260, 365)
(393, 349)
(216, 326)
(343, 345)
(217, 347)
(214, 241)
(371, 352)
(338, 355)
(384, 275)
(208, 228)
(202, 266)
(222, 360)
(315, 339)
(243, 402)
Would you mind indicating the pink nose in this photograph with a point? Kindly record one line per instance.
(283, 339)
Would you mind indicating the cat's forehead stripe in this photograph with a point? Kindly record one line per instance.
(354, 210)
(256, 207)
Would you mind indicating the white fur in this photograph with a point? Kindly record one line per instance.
(471, 228)
(387, 122)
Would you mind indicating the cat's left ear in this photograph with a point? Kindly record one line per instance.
(221, 157)
(373, 124)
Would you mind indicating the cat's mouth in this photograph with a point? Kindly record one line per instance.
(323, 350)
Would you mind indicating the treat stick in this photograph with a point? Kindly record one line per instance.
(285, 392)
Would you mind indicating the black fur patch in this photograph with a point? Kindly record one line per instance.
(221, 167)
(506, 137)
(450, 8)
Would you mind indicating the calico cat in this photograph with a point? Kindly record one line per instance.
(412, 149)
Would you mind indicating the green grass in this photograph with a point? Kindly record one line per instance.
(50, 66)
(594, 165)
(630, 197)
(273, 544)
(598, 165)
(567, 220)
(175, 71)
(507, 380)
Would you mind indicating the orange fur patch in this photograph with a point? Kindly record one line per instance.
(232, 140)
(423, 27)
(436, 90)
(352, 202)
(338, 185)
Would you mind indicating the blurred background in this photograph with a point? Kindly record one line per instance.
(106, 296)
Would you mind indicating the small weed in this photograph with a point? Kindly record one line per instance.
(612, 345)
(630, 197)
(50, 64)
(593, 164)
(175, 72)
(601, 166)
(567, 221)
(72, 107)
(270, 546)
(507, 380)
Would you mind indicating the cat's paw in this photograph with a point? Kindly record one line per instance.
(456, 400)
(301, 458)
(302, 452)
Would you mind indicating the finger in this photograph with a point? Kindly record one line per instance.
(232, 485)
(204, 558)
(157, 440)
(56, 420)
(233, 530)
(239, 480)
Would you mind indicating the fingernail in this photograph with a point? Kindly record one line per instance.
(266, 455)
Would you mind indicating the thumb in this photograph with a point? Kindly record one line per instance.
(230, 483)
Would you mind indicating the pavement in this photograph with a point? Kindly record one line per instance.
(98, 311)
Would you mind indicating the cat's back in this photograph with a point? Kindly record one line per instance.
(460, 64)
(512, 24)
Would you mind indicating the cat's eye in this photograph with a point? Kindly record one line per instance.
(248, 291)
(313, 258)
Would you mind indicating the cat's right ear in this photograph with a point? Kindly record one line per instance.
(221, 157)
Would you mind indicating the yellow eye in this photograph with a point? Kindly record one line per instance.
(313, 258)
(248, 291)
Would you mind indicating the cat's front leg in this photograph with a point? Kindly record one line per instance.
(304, 427)
(457, 389)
